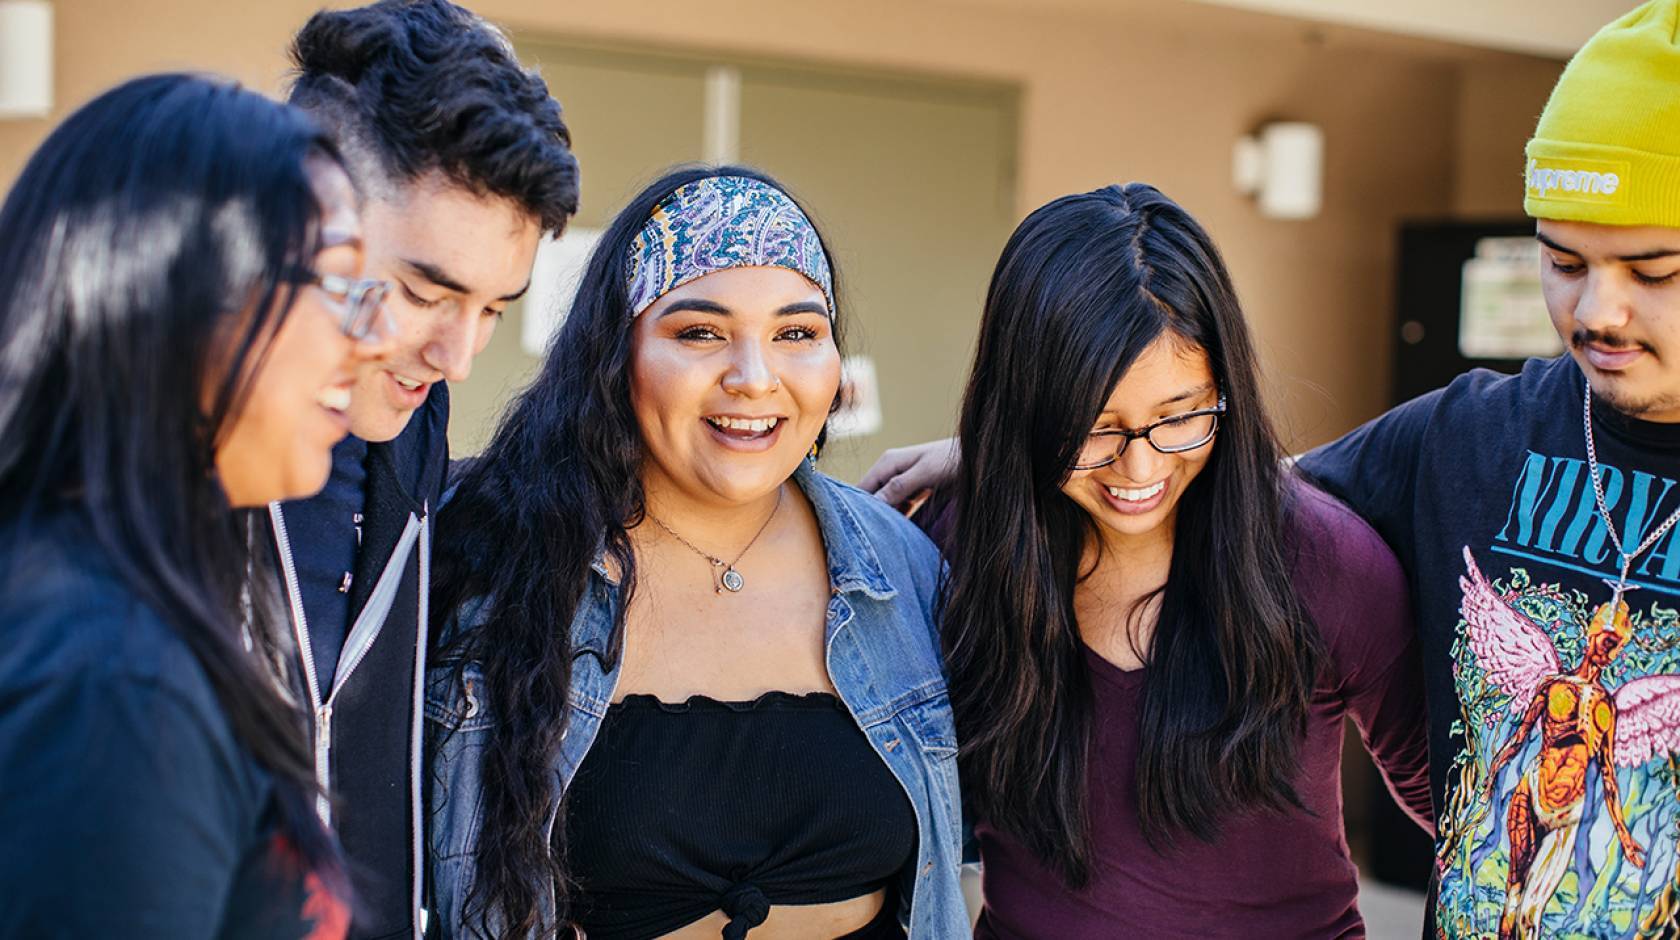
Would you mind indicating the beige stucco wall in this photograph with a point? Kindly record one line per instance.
(1500, 98)
(1152, 91)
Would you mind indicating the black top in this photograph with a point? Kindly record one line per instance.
(1483, 492)
(679, 810)
(128, 808)
(329, 526)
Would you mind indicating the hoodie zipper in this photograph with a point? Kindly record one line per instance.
(417, 844)
(300, 629)
(321, 706)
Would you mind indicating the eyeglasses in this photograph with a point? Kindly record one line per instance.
(1173, 435)
(361, 302)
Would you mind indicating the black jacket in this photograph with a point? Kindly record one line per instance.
(128, 806)
(366, 729)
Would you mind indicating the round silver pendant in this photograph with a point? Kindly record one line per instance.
(733, 581)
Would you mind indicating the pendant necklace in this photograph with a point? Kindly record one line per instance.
(1625, 557)
(730, 578)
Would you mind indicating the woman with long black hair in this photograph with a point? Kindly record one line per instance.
(1154, 629)
(688, 685)
(180, 315)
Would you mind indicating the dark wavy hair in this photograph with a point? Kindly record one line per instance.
(150, 252)
(559, 483)
(1084, 286)
(412, 86)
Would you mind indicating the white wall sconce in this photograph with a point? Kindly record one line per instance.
(1282, 166)
(26, 58)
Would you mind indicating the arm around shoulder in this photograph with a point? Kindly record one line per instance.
(1373, 468)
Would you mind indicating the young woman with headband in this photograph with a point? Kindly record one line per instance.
(181, 315)
(689, 686)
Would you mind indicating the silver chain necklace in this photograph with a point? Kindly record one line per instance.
(1625, 557)
(730, 578)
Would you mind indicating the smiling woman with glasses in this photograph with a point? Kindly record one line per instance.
(181, 319)
(1153, 629)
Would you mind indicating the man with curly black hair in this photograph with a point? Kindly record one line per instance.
(464, 163)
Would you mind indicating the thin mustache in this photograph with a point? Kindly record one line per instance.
(1582, 337)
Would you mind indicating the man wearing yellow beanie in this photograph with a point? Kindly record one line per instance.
(1536, 515)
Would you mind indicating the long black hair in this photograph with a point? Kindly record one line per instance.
(1084, 286)
(559, 483)
(148, 256)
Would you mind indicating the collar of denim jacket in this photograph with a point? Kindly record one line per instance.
(853, 564)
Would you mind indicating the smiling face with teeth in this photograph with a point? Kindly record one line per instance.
(455, 260)
(1135, 499)
(732, 377)
(279, 445)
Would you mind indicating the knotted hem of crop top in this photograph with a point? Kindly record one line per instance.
(746, 907)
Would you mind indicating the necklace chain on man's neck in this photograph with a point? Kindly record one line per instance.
(729, 578)
(1623, 557)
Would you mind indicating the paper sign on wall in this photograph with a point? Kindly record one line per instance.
(554, 285)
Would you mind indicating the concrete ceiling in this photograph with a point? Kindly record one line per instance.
(1548, 27)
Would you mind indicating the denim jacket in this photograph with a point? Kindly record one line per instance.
(883, 657)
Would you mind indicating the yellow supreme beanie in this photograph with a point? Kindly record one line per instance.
(1607, 148)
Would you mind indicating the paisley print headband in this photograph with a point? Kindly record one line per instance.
(723, 222)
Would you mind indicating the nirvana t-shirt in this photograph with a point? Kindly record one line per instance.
(128, 808)
(1554, 712)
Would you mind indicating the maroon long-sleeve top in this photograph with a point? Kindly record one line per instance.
(1268, 873)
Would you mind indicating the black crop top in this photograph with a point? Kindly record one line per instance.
(679, 810)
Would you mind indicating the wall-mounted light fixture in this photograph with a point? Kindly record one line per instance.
(26, 58)
(1282, 166)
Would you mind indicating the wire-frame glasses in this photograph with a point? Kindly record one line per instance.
(1173, 435)
(360, 301)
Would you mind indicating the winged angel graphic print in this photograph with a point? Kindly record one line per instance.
(1563, 820)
